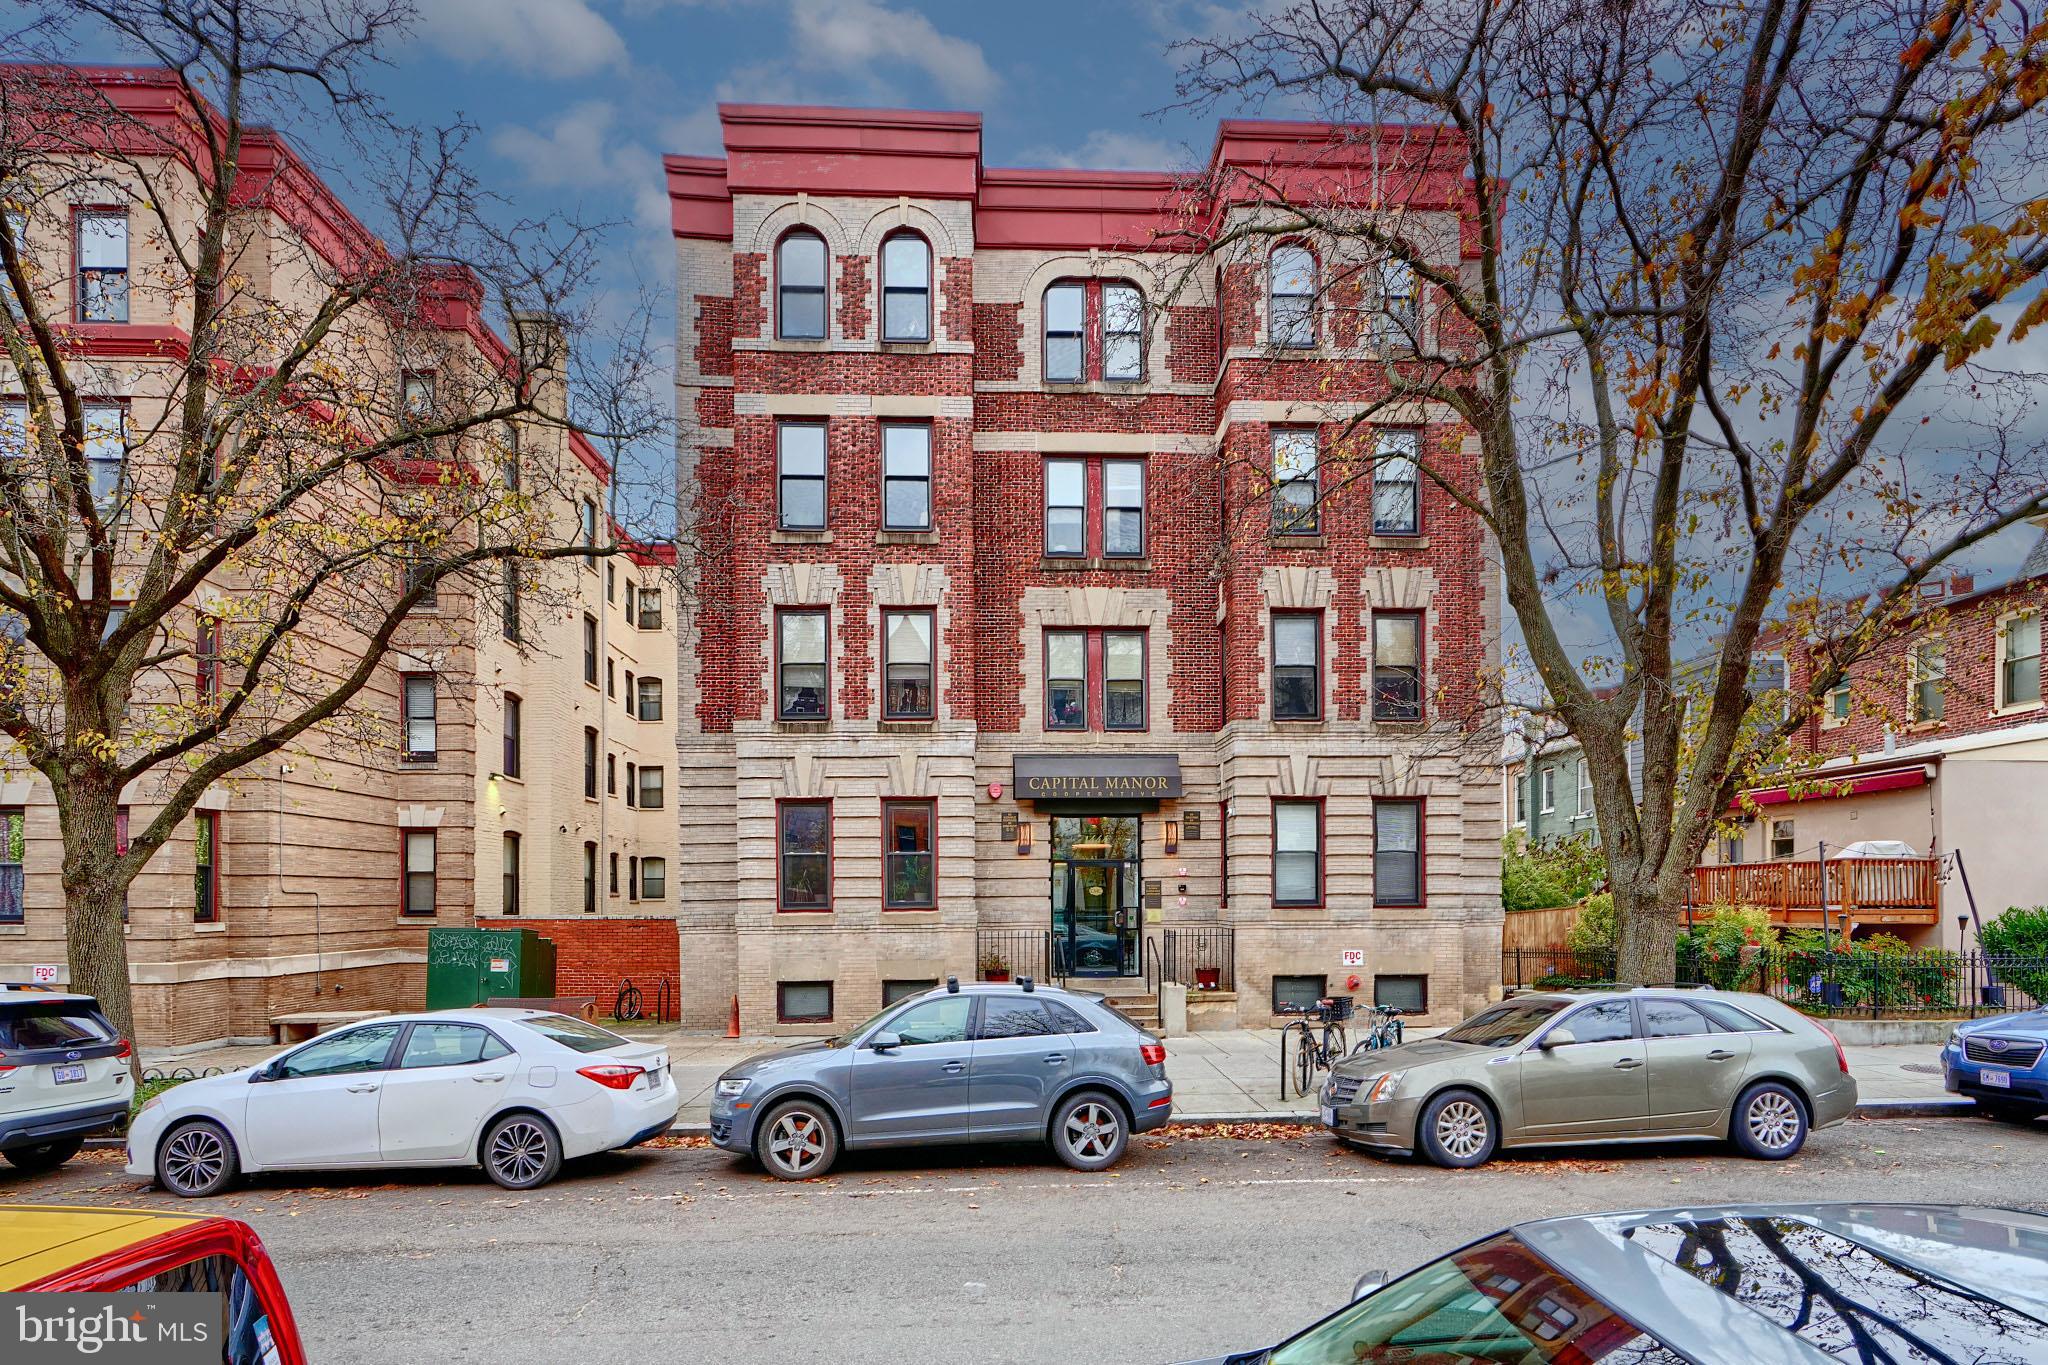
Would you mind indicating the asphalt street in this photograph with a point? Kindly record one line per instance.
(1194, 1245)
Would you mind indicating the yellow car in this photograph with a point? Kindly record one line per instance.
(46, 1247)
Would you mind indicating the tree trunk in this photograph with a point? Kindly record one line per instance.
(94, 894)
(1646, 919)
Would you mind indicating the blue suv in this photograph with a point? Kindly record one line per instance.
(1998, 1063)
(978, 1063)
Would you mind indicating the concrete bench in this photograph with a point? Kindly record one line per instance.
(296, 1028)
(583, 1007)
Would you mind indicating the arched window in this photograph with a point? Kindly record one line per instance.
(1066, 332)
(906, 288)
(800, 286)
(1292, 276)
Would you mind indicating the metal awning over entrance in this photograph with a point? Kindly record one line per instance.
(1097, 777)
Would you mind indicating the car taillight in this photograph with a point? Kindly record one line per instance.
(1153, 1053)
(614, 1077)
(1841, 1057)
(124, 1050)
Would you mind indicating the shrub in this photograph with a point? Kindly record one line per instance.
(2021, 932)
(1546, 876)
(1596, 926)
(1723, 946)
(1879, 972)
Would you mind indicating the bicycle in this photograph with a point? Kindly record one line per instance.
(1315, 1051)
(1384, 1029)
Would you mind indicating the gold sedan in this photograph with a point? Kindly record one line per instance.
(1557, 1067)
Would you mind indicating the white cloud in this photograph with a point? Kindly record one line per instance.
(849, 36)
(1114, 149)
(563, 38)
(581, 150)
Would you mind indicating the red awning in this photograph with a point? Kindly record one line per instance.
(1822, 788)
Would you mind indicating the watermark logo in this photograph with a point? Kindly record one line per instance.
(114, 1329)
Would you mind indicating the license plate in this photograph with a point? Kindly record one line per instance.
(1997, 1080)
(65, 1075)
(1329, 1117)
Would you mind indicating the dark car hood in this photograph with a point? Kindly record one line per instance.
(767, 1061)
(1400, 1058)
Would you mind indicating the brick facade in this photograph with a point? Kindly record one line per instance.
(1201, 592)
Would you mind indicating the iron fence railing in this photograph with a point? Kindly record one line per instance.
(1014, 953)
(1202, 958)
(1826, 982)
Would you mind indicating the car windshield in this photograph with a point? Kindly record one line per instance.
(1505, 1024)
(1842, 1298)
(574, 1034)
(1493, 1302)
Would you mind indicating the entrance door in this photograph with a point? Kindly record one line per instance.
(1095, 907)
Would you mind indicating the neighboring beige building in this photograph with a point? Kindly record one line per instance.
(311, 879)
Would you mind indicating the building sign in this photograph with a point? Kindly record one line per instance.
(1098, 777)
(1354, 957)
(45, 973)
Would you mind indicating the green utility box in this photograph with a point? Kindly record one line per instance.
(466, 967)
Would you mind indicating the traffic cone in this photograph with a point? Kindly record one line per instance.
(732, 1030)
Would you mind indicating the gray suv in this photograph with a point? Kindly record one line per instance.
(977, 1063)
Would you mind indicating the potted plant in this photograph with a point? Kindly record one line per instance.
(994, 967)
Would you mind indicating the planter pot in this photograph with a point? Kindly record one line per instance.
(1208, 978)
(1003, 975)
(1993, 996)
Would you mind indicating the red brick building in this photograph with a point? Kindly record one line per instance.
(1938, 741)
(1045, 624)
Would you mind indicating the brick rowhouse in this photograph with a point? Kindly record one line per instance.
(978, 670)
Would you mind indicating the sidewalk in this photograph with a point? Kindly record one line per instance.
(1234, 1074)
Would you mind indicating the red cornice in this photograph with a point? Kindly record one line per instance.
(791, 149)
(124, 341)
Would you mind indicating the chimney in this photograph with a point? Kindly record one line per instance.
(544, 354)
(1961, 584)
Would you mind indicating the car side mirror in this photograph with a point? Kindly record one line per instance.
(263, 1073)
(1557, 1037)
(885, 1042)
(1370, 1282)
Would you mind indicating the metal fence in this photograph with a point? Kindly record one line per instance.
(1201, 959)
(1013, 953)
(1874, 984)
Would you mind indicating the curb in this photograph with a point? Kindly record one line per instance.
(1949, 1107)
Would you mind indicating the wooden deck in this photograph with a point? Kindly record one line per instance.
(1904, 891)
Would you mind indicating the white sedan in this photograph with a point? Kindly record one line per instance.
(515, 1091)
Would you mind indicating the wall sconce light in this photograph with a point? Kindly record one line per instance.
(1023, 838)
(1173, 836)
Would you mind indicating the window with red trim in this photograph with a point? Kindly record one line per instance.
(1093, 330)
(206, 657)
(1297, 852)
(803, 855)
(1095, 507)
(802, 667)
(1397, 665)
(1397, 852)
(101, 243)
(907, 663)
(1095, 680)
(909, 872)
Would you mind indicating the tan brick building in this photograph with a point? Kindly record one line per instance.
(1037, 628)
(451, 788)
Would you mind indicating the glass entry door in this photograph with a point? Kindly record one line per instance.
(1095, 896)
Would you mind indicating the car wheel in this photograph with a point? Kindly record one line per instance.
(1458, 1129)
(44, 1156)
(1089, 1132)
(797, 1141)
(1770, 1121)
(522, 1151)
(196, 1158)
